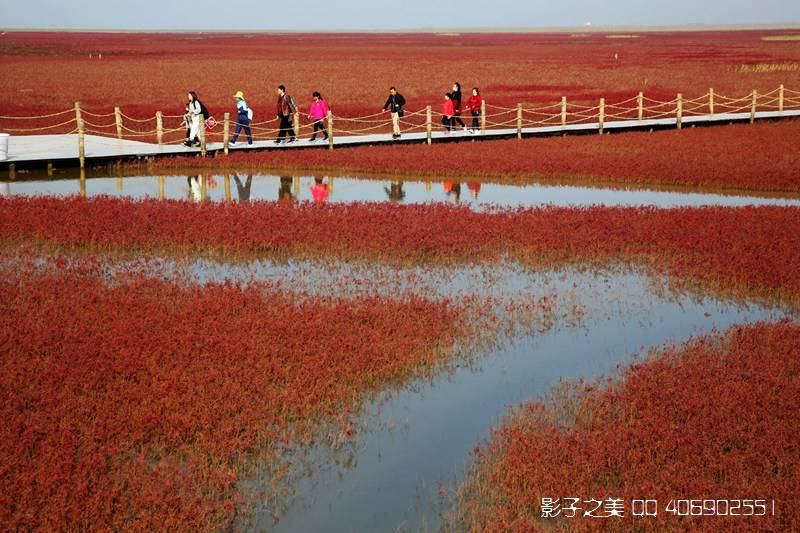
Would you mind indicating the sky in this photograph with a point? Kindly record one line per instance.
(386, 14)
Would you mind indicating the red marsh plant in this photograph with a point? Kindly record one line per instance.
(749, 250)
(133, 403)
(715, 419)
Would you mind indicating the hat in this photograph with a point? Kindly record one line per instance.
(239, 94)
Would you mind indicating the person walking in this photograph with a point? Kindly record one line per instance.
(455, 96)
(195, 119)
(448, 112)
(395, 104)
(474, 104)
(317, 112)
(243, 117)
(286, 109)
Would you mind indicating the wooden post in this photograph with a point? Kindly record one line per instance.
(296, 184)
(483, 116)
(226, 132)
(118, 121)
(50, 168)
(82, 184)
(81, 141)
(428, 124)
(640, 105)
(330, 130)
(227, 186)
(519, 121)
(161, 188)
(679, 112)
(780, 98)
(296, 124)
(563, 112)
(711, 102)
(601, 116)
(753, 107)
(203, 187)
(119, 183)
(160, 128)
(202, 134)
(330, 186)
(12, 171)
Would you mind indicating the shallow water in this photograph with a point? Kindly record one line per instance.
(409, 443)
(244, 187)
(413, 441)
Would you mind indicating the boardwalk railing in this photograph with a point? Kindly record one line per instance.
(494, 118)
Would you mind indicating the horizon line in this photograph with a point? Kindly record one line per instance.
(689, 27)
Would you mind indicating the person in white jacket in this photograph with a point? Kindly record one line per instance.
(195, 119)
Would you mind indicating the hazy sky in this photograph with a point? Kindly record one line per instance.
(386, 14)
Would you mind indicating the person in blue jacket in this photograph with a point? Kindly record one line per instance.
(243, 117)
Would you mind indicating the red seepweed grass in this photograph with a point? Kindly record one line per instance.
(753, 251)
(136, 404)
(713, 420)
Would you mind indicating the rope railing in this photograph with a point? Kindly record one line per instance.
(563, 113)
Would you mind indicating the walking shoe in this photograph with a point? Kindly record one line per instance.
(291, 140)
(278, 141)
(325, 138)
(312, 139)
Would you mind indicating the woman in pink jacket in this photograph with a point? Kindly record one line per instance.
(318, 111)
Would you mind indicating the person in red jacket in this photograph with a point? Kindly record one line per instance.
(474, 105)
(448, 111)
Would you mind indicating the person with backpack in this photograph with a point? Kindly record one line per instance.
(474, 105)
(285, 108)
(455, 96)
(395, 104)
(318, 111)
(448, 114)
(243, 117)
(195, 116)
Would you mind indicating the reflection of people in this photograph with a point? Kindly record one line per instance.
(474, 188)
(319, 191)
(285, 190)
(194, 192)
(243, 190)
(395, 191)
(452, 191)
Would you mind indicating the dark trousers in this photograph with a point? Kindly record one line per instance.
(476, 120)
(457, 119)
(448, 122)
(287, 127)
(319, 126)
(243, 123)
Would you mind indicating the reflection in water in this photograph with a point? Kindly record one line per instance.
(193, 192)
(395, 191)
(285, 194)
(474, 188)
(452, 191)
(243, 190)
(319, 191)
(481, 195)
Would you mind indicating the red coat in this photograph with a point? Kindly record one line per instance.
(448, 109)
(474, 103)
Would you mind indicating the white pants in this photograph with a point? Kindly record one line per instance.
(195, 127)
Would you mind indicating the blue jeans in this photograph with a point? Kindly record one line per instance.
(243, 123)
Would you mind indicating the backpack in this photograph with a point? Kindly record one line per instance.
(204, 110)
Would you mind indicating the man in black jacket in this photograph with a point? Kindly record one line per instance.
(395, 104)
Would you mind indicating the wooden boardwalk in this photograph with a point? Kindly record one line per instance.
(39, 150)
